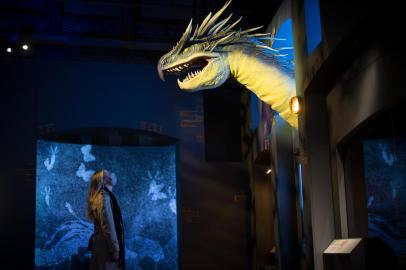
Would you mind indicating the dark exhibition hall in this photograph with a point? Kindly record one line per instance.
(202, 135)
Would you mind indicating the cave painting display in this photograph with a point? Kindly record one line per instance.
(144, 180)
(384, 171)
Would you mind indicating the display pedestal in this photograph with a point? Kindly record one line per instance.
(345, 254)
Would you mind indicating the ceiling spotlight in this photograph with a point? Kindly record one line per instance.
(296, 104)
(268, 171)
(9, 50)
(25, 47)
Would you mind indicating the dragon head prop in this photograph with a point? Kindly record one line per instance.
(199, 59)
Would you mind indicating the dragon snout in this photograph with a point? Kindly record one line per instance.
(160, 71)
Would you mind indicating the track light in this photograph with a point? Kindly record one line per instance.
(25, 47)
(268, 171)
(9, 50)
(296, 104)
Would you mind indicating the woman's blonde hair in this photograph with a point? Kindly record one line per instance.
(98, 180)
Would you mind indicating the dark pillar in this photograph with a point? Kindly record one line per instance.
(285, 195)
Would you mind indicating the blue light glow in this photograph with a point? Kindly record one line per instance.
(313, 24)
(299, 176)
(284, 40)
(145, 186)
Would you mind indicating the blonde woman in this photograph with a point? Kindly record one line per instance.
(107, 241)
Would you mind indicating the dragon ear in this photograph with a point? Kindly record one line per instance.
(184, 38)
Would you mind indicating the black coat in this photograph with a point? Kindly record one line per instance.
(108, 236)
(118, 224)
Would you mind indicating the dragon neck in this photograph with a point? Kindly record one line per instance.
(269, 82)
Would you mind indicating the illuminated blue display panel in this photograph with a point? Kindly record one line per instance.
(145, 187)
(385, 179)
(284, 39)
(313, 24)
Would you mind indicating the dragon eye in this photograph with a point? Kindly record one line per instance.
(186, 50)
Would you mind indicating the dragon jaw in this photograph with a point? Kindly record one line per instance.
(198, 71)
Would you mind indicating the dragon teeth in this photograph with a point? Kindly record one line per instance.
(189, 76)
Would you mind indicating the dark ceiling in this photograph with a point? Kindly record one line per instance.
(136, 31)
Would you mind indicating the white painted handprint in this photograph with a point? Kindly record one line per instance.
(172, 202)
(47, 193)
(387, 157)
(49, 162)
(82, 173)
(155, 191)
(87, 156)
(154, 188)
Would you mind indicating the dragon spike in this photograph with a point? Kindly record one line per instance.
(262, 35)
(184, 37)
(232, 26)
(224, 39)
(251, 29)
(215, 29)
(270, 38)
(195, 32)
(266, 47)
(210, 21)
(267, 38)
(199, 29)
(285, 48)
